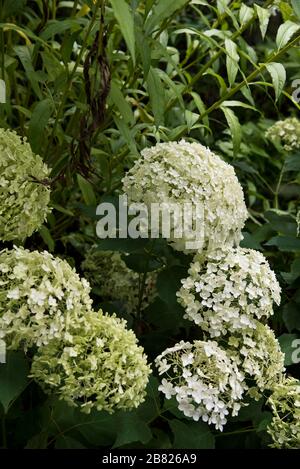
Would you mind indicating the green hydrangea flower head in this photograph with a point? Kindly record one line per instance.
(258, 355)
(40, 296)
(107, 272)
(285, 405)
(24, 196)
(286, 132)
(99, 365)
(181, 174)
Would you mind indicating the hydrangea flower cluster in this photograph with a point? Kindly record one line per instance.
(40, 296)
(285, 404)
(97, 365)
(286, 132)
(178, 173)
(204, 379)
(24, 197)
(257, 353)
(107, 272)
(229, 290)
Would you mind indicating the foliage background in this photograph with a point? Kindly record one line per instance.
(90, 84)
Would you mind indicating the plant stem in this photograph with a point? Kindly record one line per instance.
(276, 194)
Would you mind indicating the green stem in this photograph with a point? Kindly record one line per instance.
(276, 194)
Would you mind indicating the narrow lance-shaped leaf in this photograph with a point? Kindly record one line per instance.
(161, 11)
(246, 13)
(264, 18)
(232, 59)
(234, 127)
(126, 22)
(278, 74)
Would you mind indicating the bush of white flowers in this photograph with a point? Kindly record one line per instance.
(228, 290)
(286, 132)
(205, 380)
(178, 173)
(97, 365)
(24, 196)
(40, 297)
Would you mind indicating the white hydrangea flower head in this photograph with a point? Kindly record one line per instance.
(106, 271)
(24, 197)
(179, 173)
(204, 379)
(228, 290)
(99, 365)
(285, 405)
(258, 355)
(40, 296)
(286, 132)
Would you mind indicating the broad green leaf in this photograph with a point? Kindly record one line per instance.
(191, 118)
(285, 32)
(169, 282)
(141, 263)
(125, 18)
(58, 27)
(13, 378)
(221, 5)
(161, 11)
(294, 274)
(234, 127)
(292, 162)
(290, 345)
(291, 316)
(131, 429)
(24, 54)
(278, 74)
(192, 435)
(232, 59)
(120, 102)
(157, 97)
(264, 18)
(282, 222)
(296, 7)
(246, 13)
(38, 125)
(87, 191)
(285, 243)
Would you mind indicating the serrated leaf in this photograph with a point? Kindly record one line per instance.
(192, 435)
(234, 127)
(285, 32)
(264, 18)
(13, 378)
(232, 59)
(278, 75)
(125, 18)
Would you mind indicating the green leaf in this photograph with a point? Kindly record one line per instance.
(290, 344)
(234, 127)
(58, 27)
(161, 11)
(264, 18)
(285, 243)
(192, 435)
(278, 74)
(120, 102)
(285, 32)
(200, 106)
(291, 316)
(235, 103)
(11, 8)
(24, 54)
(296, 7)
(157, 97)
(169, 282)
(232, 60)
(292, 162)
(131, 429)
(13, 378)
(125, 19)
(294, 274)
(38, 125)
(282, 222)
(87, 191)
(246, 13)
(141, 263)
(47, 238)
